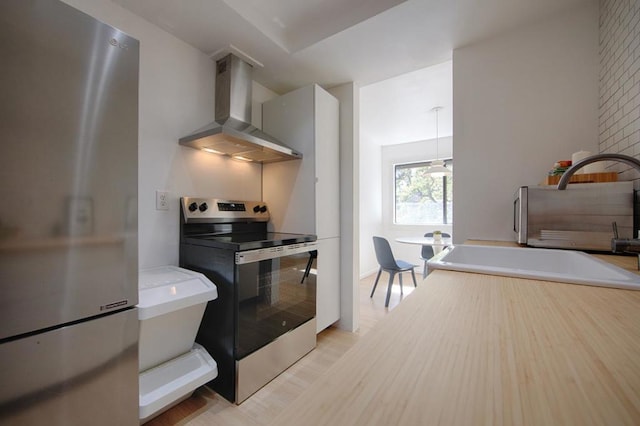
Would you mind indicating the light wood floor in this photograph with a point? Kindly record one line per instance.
(205, 407)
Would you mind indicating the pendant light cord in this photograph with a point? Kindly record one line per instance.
(437, 109)
(437, 136)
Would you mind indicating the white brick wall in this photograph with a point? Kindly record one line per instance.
(620, 81)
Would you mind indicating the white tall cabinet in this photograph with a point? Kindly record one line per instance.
(304, 195)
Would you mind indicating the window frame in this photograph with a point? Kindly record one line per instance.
(425, 163)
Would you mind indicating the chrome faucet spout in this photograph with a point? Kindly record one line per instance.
(626, 245)
(564, 180)
(618, 245)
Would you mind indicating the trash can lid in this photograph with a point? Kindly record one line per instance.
(170, 288)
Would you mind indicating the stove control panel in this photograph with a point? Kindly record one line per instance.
(233, 207)
(214, 210)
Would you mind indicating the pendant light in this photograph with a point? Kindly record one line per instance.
(437, 167)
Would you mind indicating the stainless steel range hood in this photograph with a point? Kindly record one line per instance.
(232, 133)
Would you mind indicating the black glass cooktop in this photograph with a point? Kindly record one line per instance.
(248, 240)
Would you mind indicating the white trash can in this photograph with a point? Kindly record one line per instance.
(172, 301)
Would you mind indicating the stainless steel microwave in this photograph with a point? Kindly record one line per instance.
(580, 217)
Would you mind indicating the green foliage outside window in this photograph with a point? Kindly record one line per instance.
(421, 198)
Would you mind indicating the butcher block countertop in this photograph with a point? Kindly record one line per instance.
(475, 349)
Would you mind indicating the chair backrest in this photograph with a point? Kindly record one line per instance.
(384, 255)
(427, 251)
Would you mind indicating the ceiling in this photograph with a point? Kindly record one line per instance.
(293, 43)
(398, 51)
(400, 109)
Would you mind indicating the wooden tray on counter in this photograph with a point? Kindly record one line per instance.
(584, 178)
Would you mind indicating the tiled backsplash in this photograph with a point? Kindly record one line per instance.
(620, 80)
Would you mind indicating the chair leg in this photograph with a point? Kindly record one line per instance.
(376, 283)
(424, 270)
(307, 270)
(400, 276)
(391, 275)
(413, 275)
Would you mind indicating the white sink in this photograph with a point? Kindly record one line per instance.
(540, 264)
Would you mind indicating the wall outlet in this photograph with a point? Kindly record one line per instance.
(162, 200)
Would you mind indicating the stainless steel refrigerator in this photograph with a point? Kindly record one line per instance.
(68, 218)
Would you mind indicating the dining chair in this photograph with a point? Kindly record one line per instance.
(427, 252)
(388, 263)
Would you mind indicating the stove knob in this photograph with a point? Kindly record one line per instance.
(256, 209)
(203, 207)
(193, 207)
(263, 209)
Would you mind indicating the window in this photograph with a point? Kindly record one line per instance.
(421, 198)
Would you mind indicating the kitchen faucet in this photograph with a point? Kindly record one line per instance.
(564, 180)
(618, 245)
(624, 245)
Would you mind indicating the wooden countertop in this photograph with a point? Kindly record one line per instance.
(478, 349)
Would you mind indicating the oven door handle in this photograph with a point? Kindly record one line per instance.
(257, 255)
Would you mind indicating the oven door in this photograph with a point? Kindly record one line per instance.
(276, 292)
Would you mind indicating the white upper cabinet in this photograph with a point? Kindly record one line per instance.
(304, 195)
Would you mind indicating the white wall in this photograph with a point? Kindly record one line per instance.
(522, 101)
(370, 204)
(349, 97)
(176, 97)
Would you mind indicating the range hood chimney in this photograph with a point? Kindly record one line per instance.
(232, 133)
